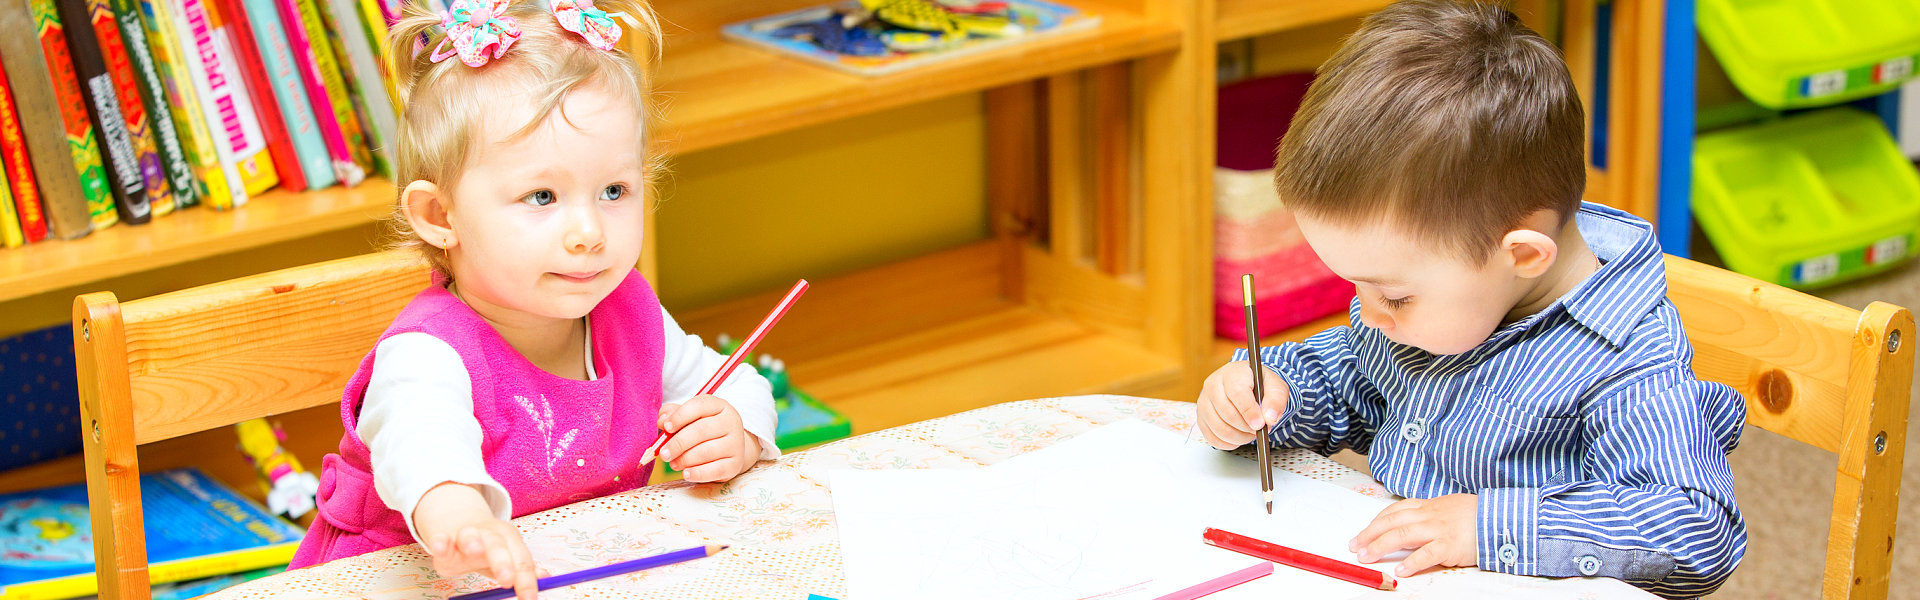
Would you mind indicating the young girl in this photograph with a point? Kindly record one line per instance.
(539, 366)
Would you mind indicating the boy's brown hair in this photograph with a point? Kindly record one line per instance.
(1450, 119)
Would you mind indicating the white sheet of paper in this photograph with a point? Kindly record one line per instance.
(1115, 513)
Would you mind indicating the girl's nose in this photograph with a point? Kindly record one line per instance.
(585, 235)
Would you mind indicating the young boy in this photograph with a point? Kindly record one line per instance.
(1513, 367)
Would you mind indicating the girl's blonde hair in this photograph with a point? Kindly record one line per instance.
(444, 102)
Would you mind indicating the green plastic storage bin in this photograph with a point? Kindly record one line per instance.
(1808, 200)
(1807, 53)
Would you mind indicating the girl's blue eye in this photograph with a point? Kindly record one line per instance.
(613, 192)
(539, 198)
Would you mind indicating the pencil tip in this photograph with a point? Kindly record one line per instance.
(713, 549)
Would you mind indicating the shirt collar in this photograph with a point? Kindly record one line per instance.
(1631, 278)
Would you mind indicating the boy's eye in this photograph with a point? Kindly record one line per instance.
(1394, 303)
(539, 198)
(613, 192)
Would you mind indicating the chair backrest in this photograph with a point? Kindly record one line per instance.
(212, 356)
(1821, 373)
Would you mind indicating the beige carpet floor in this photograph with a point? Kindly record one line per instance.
(1785, 488)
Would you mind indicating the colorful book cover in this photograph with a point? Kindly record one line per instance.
(306, 50)
(9, 220)
(103, 102)
(19, 167)
(195, 138)
(366, 83)
(327, 54)
(134, 32)
(289, 91)
(195, 527)
(53, 113)
(106, 31)
(234, 19)
(255, 159)
(815, 35)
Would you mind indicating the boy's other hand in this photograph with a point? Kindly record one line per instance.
(464, 537)
(1439, 530)
(709, 442)
(1226, 412)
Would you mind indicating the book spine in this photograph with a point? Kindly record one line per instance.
(122, 162)
(9, 223)
(134, 33)
(250, 152)
(196, 39)
(60, 139)
(19, 167)
(296, 112)
(375, 20)
(195, 139)
(106, 32)
(368, 80)
(253, 67)
(304, 52)
(329, 56)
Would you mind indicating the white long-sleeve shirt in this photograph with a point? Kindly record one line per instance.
(418, 423)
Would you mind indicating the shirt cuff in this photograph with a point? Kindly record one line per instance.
(1509, 529)
(495, 495)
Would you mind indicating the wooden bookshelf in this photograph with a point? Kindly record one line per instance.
(1237, 19)
(189, 235)
(718, 92)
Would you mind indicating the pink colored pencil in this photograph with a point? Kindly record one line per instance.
(733, 360)
(1222, 582)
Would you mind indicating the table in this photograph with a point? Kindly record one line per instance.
(779, 519)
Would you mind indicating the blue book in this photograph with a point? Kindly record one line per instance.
(302, 128)
(196, 527)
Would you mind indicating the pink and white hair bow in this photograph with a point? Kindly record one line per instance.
(479, 30)
(593, 24)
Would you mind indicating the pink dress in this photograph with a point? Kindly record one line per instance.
(548, 440)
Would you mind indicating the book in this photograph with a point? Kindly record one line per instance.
(265, 106)
(289, 91)
(366, 82)
(195, 138)
(306, 57)
(226, 105)
(255, 159)
(113, 50)
(195, 527)
(884, 49)
(53, 112)
(19, 167)
(134, 34)
(103, 110)
(9, 220)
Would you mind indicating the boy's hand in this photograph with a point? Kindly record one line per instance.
(1226, 412)
(464, 537)
(1442, 530)
(709, 442)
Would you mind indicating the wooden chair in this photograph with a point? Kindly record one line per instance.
(212, 356)
(1823, 374)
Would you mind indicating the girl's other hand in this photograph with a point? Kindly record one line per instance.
(709, 442)
(464, 537)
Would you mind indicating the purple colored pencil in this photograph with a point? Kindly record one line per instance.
(586, 575)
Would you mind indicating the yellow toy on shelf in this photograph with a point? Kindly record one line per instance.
(290, 489)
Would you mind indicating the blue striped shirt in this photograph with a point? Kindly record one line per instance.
(1593, 449)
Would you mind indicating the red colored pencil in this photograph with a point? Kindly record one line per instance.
(733, 360)
(1301, 560)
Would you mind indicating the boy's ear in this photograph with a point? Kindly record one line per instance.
(426, 210)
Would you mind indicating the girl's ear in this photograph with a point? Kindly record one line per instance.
(426, 210)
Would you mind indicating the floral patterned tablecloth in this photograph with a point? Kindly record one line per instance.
(779, 519)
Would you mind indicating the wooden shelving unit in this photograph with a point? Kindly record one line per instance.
(1237, 19)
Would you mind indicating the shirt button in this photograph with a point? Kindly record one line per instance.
(1589, 565)
(580, 462)
(1509, 554)
(1414, 430)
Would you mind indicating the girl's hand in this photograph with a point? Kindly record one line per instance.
(1226, 412)
(1441, 528)
(464, 537)
(709, 443)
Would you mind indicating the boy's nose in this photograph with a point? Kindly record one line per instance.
(1375, 318)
